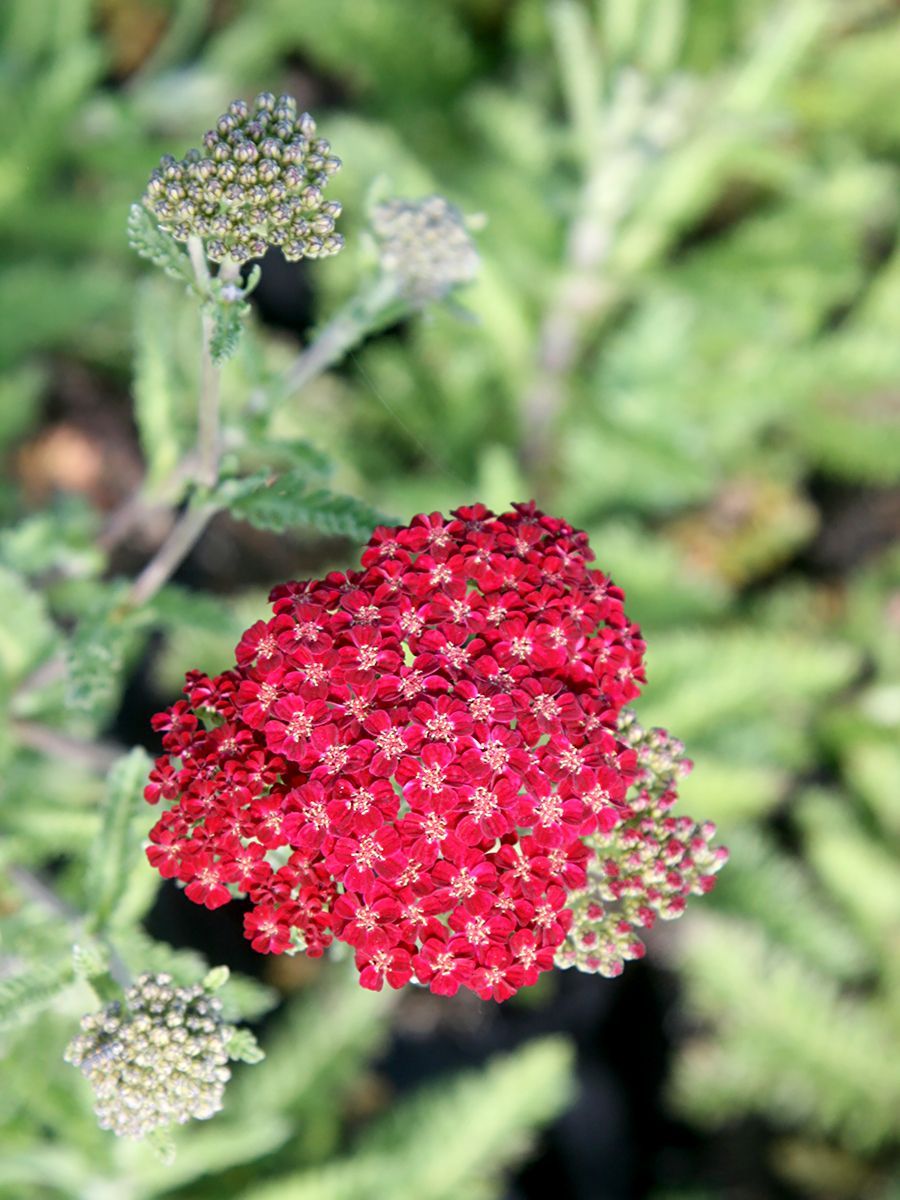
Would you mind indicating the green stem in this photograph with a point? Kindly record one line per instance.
(208, 411)
(183, 536)
(186, 531)
(208, 400)
(347, 328)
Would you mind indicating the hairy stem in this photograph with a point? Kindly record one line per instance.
(346, 329)
(182, 538)
(208, 402)
(186, 531)
(208, 412)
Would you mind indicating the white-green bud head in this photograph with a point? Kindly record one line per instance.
(425, 244)
(230, 194)
(161, 1061)
(645, 867)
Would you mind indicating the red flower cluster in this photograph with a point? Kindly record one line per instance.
(407, 757)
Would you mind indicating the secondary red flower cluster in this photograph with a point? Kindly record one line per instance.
(407, 757)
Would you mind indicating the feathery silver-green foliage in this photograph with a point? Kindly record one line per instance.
(795, 979)
(289, 501)
(115, 853)
(448, 1141)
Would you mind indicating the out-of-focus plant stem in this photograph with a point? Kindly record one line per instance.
(360, 316)
(183, 536)
(146, 502)
(613, 169)
(95, 755)
(188, 528)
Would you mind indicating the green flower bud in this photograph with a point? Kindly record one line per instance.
(258, 166)
(163, 1061)
(285, 108)
(426, 245)
(294, 152)
(268, 171)
(245, 152)
(271, 147)
(646, 866)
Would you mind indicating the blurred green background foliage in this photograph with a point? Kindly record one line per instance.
(683, 338)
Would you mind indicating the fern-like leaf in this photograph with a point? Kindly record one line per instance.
(289, 501)
(117, 845)
(96, 652)
(24, 994)
(148, 240)
(228, 322)
(449, 1140)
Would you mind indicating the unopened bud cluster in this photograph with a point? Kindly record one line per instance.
(161, 1060)
(258, 182)
(425, 244)
(645, 867)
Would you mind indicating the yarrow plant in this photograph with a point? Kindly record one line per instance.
(426, 759)
(429, 758)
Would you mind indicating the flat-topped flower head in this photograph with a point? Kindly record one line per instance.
(413, 757)
(259, 181)
(425, 244)
(160, 1060)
